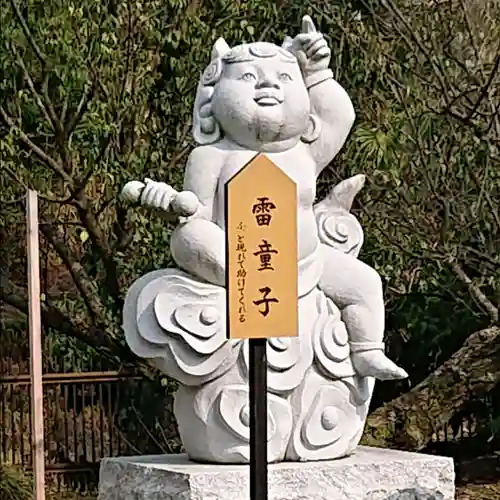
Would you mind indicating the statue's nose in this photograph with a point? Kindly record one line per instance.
(267, 81)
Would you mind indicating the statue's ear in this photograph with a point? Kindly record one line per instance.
(206, 130)
(313, 129)
(345, 192)
(220, 49)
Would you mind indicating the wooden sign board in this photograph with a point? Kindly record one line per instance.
(261, 251)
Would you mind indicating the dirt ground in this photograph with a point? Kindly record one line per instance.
(479, 478)
(479, 492)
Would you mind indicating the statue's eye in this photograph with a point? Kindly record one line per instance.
(248, 77)
(285, 77)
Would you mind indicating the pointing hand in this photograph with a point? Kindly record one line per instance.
(311, 48)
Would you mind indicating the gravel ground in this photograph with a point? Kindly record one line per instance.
(479, 492)
(479, 478)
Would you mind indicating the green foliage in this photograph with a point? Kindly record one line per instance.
(430, 148)
(15, 484)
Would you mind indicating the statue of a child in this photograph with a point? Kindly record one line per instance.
(284, 102)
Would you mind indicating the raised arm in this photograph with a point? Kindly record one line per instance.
(331, 107)
(335, 112)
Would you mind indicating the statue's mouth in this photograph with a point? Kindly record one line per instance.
(268, 100)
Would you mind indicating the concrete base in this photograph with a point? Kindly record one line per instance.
(369, 474)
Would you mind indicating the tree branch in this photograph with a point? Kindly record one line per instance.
(50, 108)
(391, 7)
(27, 33)
(101, 246)
(486, 87)
(88, 92)
(475, 291)
(483, 256)
(95, 337)
(55, 166)
(80, 278)
(84, 178)
(409, 421)
(53, 318)
(31, 85)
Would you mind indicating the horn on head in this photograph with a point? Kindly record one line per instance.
(287, 43)
(220, 48)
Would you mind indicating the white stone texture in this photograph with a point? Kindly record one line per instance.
(282, 102)
(369, 474)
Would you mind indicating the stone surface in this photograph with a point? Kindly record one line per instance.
(416, 494)
(369, 474)
(281, 101)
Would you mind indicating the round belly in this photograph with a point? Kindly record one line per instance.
(307, 230)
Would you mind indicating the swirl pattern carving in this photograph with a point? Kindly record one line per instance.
(327, 422)
(341, 230)
(330, 341)
(288, 359)
(179, 323)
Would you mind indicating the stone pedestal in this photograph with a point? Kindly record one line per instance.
(369, 474)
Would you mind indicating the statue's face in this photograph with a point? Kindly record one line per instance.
(261, 99)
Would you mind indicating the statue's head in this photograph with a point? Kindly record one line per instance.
(253, 94)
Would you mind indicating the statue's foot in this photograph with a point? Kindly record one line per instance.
(376, 364)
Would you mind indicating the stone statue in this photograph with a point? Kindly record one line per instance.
(282, 102)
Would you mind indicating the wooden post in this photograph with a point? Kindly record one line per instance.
(35, 333)
(262, 284)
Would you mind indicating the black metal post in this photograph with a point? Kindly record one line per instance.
(257, 378)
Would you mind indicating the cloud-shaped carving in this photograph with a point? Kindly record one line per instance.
(179, 324)
(288, 359)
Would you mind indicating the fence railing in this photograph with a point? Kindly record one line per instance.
(87, 416)
(91, 408)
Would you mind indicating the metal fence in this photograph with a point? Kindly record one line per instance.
(88, 415)
(92, 409)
